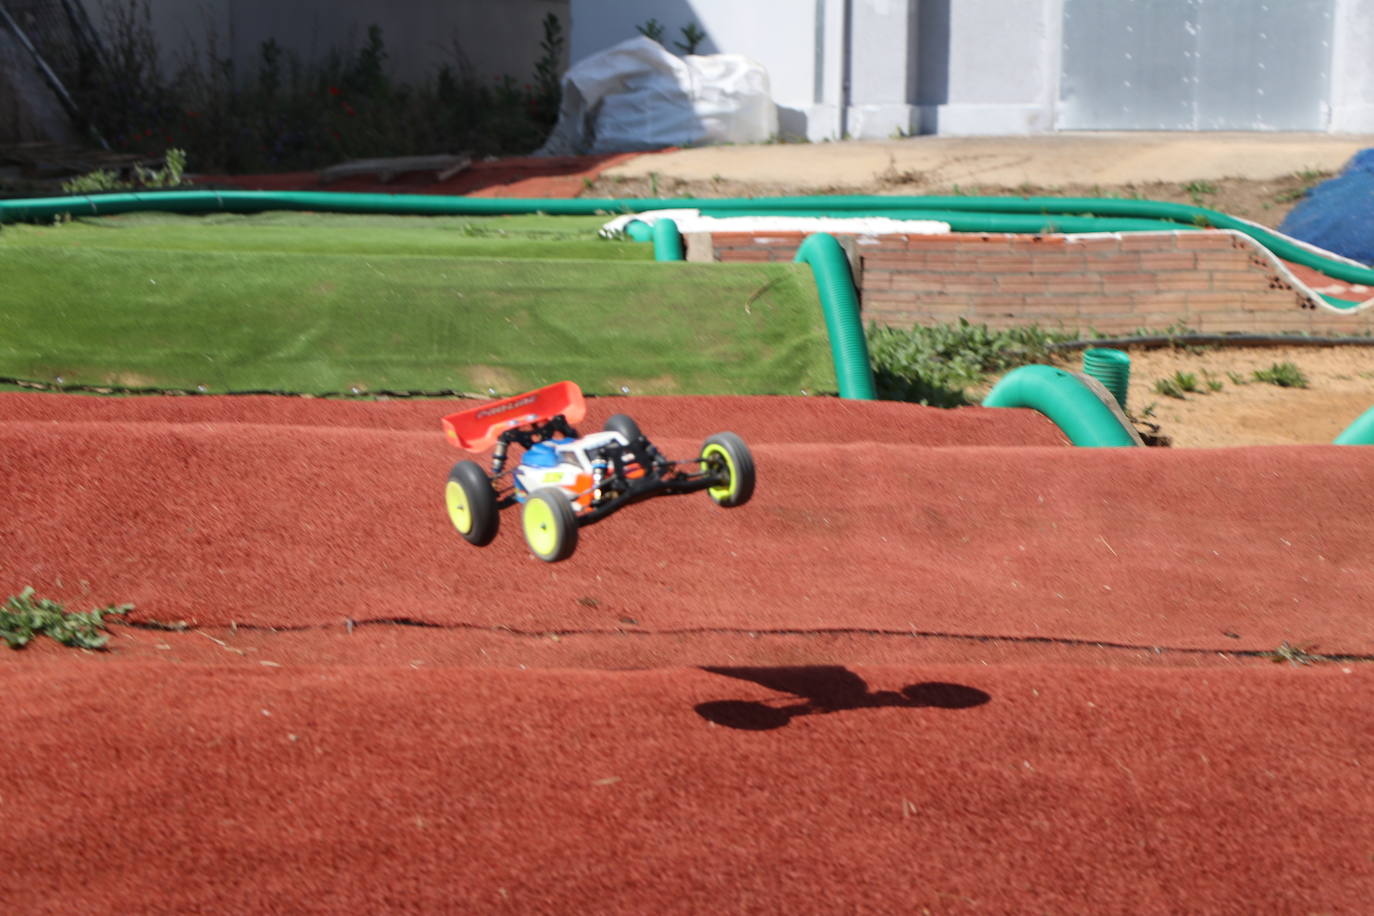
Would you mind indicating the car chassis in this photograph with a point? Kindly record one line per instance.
(566, 480)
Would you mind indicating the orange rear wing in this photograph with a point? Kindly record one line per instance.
(477, 428)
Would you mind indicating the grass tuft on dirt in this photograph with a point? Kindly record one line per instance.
(1284, 375)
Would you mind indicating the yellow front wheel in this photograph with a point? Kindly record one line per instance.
(550, 525)
(471, 503)
(725, 457)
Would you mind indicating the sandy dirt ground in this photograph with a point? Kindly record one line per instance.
(1232, 407)
(1229, 406)
(1255, 176)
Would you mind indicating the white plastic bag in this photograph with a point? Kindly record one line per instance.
(637, 96)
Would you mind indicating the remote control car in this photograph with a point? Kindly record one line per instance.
(566, 480)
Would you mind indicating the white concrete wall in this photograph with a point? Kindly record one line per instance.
(988, 67)
(1352, 68)
(993, 66)
(494, 37)
(882, 66)
(958, 67)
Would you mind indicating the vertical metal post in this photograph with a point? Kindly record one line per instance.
(846, 66)
(49, 76)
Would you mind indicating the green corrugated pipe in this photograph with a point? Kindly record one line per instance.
(667, 241)
(840, 304)
(1361, 432)
(1070, 404)
(1110, 367)
(639, 231)
(965, 214)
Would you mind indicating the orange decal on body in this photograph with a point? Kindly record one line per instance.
(584, 486)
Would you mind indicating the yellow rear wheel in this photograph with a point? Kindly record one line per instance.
(471, 503)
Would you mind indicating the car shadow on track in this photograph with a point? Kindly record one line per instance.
(826, 689)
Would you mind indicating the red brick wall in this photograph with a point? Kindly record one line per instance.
(1213, 282)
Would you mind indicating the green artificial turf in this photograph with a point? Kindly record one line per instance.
(528, 236)
(247, 319)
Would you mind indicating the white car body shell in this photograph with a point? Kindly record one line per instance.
(578, 470)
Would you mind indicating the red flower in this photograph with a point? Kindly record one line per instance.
(348, 109)
(333, 90)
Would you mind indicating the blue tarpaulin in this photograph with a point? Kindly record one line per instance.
(1338, 214)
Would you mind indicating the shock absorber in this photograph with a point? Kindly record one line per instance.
(498, 457)
(598, 473)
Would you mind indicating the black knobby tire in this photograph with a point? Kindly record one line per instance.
(725, 454)
(471, 503)
(550, 525)
(627, 427)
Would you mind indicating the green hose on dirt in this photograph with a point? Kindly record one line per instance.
(840, 303)
(1361, 432)
(965, 214)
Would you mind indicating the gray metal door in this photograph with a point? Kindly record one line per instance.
(1195, 65)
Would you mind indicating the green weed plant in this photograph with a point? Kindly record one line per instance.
(24, 617)
(1284, 375)
(1177, 385)
(171, 175)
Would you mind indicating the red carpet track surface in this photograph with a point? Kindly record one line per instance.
(812, 420)
(514, 176)
(854, 529)
(627, 646)
(930, 725)
(949, 789)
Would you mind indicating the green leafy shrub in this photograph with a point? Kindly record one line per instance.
(1285, 375)
(284, 114)
(171, 175)
(22, 617)
(934, 365)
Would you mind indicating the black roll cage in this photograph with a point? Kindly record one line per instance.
(617, 489)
